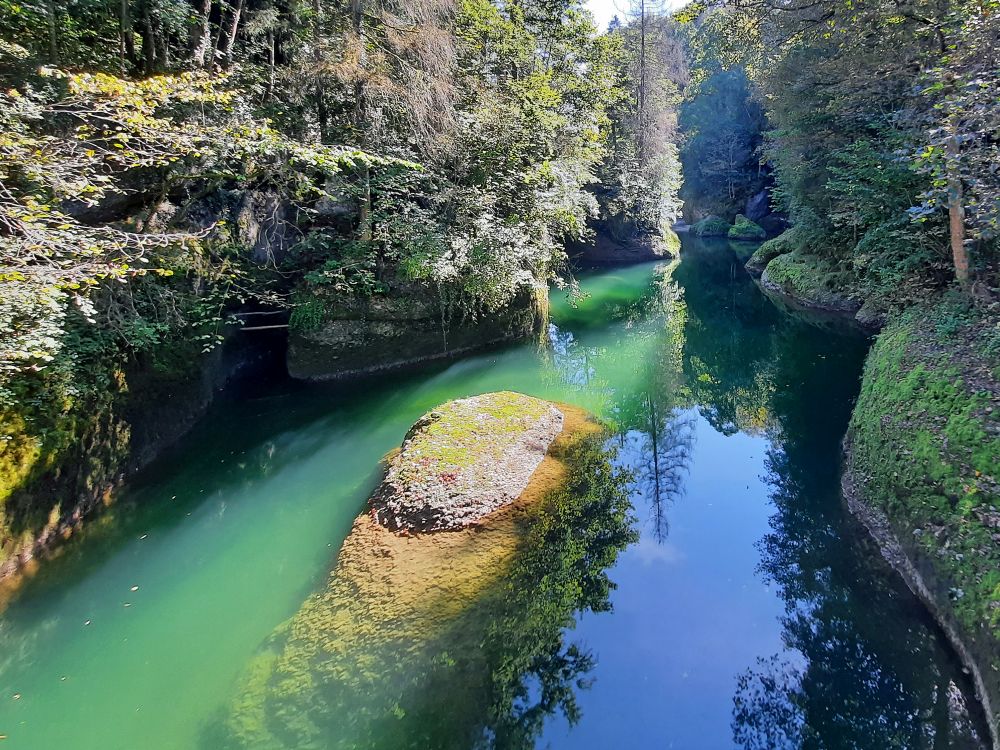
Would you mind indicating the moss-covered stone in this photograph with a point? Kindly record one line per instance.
(811, 281)
(436, 640)
(784, 243)
(464, 460)
(924, 450)
(744, 229)
(711, 226)
(413, 323)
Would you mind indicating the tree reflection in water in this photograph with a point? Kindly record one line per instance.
(861, 667)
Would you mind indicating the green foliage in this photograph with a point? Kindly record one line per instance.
(723, 126)
(788, 241)
(711, 226)
(744, 229)
(871, 132)
(640, 174)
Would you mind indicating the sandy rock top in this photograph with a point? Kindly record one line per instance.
(464, 460)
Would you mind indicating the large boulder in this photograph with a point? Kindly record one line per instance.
(617, 240)
(421, 640)
(461, 462)
(758, 205)
(783, 244)
(711, 226)
(744, 229)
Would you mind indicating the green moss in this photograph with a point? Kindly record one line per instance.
(308, 315)
(711, 226)
(744, 229)
(67, 435)
(457, 434)
(671, 243)
(811, 279)
(784, 243)
(926, 451)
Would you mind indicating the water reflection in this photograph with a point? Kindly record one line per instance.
(706, 386)
(861, 666)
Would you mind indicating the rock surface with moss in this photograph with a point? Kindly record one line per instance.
(744, 229)
(67, 440)
(618, 245)
(464, 460)
(412, 323)
(433, 639)
(811, 281)
(711, 226)
(784, 243)
(923, 472)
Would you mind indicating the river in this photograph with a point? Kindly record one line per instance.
(750, 613)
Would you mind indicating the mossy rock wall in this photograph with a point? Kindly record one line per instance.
(405, 326)
(924, 455)
(63, 455)
(617, 241)
(432, 640)
(811, 281)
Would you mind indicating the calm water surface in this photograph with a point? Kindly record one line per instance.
(750, 613)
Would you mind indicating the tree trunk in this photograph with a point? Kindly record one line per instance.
(956, 217)
(148, 42)
(269, 91)
(128, 37)
(322, 117)
(229, 40)
(201, 35)
(365, 213)
(52, 19)
(642, 80)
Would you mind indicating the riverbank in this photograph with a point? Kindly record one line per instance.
(64, 457)
(922, 455)
(923, 471)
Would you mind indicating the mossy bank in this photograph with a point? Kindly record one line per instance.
(63, 451)
(923, 472)
(430, 639)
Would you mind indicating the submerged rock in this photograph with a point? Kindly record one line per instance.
(463, 461)
(438, 640)
(758, 205)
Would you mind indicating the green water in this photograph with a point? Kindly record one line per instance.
(749, 613)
